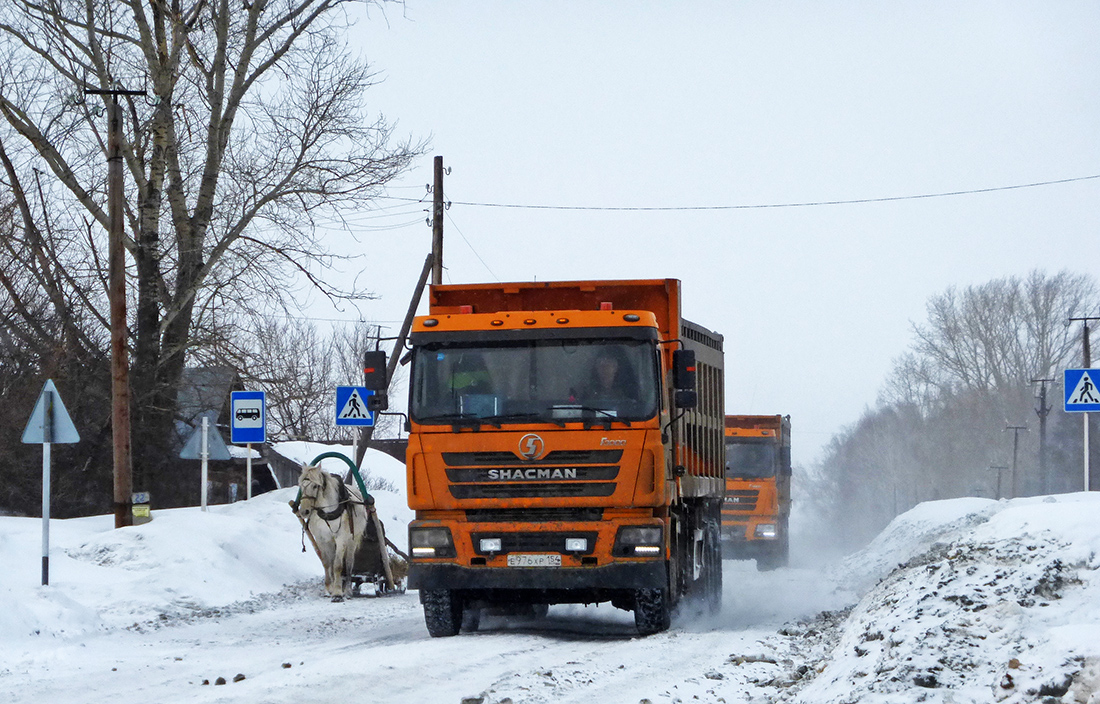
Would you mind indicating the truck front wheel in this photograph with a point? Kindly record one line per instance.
(442, 612)
(651, 611)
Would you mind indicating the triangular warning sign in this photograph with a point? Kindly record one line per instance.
(1085, 392)
(215, 445)
(50, 422)
(354, 407)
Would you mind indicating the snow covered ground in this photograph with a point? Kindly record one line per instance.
(968, 600)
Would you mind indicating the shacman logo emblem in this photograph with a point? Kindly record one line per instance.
(531, 447)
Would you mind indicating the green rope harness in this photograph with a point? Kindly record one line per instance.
(354, 470)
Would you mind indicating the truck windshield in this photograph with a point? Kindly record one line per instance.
(552, 381)
(750, 459)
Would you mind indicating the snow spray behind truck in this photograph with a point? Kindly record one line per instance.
(565, 446)
(756, 511)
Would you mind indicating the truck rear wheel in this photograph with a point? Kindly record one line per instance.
(442, 612)
(651, 611)
(713, 584)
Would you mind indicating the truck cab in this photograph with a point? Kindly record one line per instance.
(757, 505)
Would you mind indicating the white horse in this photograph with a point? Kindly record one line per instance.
(336, 518)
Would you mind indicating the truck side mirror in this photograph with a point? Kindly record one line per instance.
(686, 398)
(683, 378)
(374, 370)
(378, 401)
(683, 370)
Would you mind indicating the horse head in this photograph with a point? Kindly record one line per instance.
(312, 484)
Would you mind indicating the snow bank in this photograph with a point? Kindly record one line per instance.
(181, 564)
(992, 601)
(184, 561)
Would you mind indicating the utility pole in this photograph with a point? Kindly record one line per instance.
(1042, 411)
(398, 348)
(1015, 451)
(116, 268)
(1087, 359)
(437, 224)
(997, 468)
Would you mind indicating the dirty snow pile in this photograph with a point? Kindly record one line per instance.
(979, 601)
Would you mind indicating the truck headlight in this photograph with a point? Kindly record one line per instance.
(766, 530)
(633, 541)
(432, 541)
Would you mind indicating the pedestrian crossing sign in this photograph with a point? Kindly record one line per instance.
(1082, 396)
(351, 406)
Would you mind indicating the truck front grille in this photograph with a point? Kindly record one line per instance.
(533, 515)
(741, 500)
(531, 490)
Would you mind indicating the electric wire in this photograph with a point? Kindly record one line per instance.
(459, 231)
(761, 206)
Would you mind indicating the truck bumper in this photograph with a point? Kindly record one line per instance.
(748, 549)
(639, 575)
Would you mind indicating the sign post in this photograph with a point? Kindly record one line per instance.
(205, 444)
(247, 425)
(1083, 397)
(49, 423)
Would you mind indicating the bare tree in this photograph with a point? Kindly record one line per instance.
(993, 336)
(941, 417)
(296, 371)
(252, 128)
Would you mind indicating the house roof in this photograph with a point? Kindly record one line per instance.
(204, 391)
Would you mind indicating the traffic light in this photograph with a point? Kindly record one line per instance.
(374, 370)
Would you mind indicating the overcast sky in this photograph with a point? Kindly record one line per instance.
(680, 105)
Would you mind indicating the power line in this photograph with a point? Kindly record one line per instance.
(493, 273)
(760, 206)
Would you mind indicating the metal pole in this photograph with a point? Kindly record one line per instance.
(1087, 358)
(1086, 434)
(248, 471)
(437, 224)
(205, 454)
(47, 438)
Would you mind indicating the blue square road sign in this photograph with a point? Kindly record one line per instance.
(247, 417)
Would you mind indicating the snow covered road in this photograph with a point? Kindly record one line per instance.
(298, 646)
(960, 601)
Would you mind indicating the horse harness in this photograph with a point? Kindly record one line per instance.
(343, 500)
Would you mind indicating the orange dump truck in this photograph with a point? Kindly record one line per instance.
(756, 512)
(565, 446)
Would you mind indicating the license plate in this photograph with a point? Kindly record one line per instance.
(534, 560)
